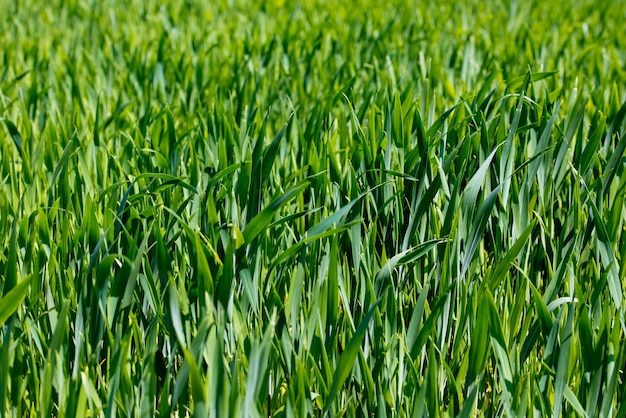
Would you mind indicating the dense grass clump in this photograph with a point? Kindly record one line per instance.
(274, 208)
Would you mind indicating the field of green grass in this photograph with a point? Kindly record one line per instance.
(312, 208)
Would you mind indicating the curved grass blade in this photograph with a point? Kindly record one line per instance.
(383, 277)
(498, 272)
(15, 135)
(262, 219)
(13, 299)
(347, 359)
(562, 370)
(478, 227)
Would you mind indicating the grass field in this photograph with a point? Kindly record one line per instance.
(322, 208)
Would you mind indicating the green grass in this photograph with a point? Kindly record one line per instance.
(312, 208)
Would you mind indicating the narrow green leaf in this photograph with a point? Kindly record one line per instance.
(346, 361)
(405, 257)
(573, 400)
(265, 216)
(134, 273)
(13, 299)
(64, 156)
(479, 343)
(501, 352)
(618, 152)
(197, 385)
(478, 228)
(175, 314)
(15, 135)
(470, 193)
(562, 369)
(496, 275)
